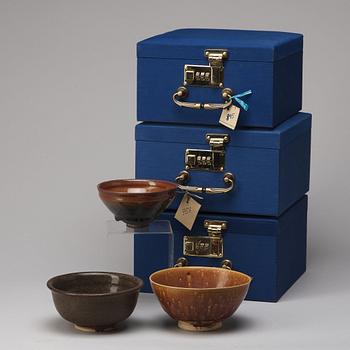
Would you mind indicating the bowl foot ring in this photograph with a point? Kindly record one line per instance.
(195, 327)
(94, 330)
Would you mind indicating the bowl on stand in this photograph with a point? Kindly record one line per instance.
(137, 202)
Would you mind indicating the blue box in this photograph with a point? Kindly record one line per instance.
(271, 167)
(271, 250)
(268, 63)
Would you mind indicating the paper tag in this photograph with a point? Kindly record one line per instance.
(187, 211)
(229, 116)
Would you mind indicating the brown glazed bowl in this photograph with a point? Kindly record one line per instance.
(137, 202)
(200, 298)
(95, 301)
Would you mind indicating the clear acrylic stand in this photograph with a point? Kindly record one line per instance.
(130, 248)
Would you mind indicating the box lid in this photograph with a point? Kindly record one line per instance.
(240, 224)
(252, 137)
(243, 45)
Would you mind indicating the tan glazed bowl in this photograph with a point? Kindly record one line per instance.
(137, 202)
(200, 298)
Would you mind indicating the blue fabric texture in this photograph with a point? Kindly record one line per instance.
(271, 250)
(276, 86)
(268, 152)
(272, 168)
(245, 45)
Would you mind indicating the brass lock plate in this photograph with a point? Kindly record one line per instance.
(203, 246)
(211, 75)
(198, 75)
(198, 159)
(209, 160)
(211, 246)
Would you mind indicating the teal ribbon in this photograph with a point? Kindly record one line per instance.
(241, 102)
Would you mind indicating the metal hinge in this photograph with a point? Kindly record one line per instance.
(216, 57)
(217, 141)
(215, 227)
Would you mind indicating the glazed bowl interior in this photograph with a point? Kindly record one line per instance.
(94, 283)
(199, 278)
(136, 187)
(137, 202)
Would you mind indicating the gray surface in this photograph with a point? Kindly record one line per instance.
(67, 113)
(301, 321)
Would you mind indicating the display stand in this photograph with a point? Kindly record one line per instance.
(135, 248)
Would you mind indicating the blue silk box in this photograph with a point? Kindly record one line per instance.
(270, 167)
(271, 250)
(183, 76)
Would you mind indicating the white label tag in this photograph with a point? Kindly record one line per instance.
(187, 211)
(229, 117)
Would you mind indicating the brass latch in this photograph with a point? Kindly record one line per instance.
(215, 227)
(210, 160)
(211, 75)
(217, 141)
(211, 246)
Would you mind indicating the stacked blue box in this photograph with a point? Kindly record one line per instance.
(252, 179)
(271, 250)
(268, 63)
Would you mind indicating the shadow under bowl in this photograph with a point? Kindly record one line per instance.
(137, 202)
(95, 301)
(200, 298)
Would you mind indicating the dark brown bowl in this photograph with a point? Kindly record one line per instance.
(200, 298)
(95, 301)
(137, 202)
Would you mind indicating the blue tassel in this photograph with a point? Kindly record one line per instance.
(241, 102)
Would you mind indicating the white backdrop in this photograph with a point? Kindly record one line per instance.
(67, 114)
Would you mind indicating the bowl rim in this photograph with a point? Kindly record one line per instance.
(50, 282)
(173, 186)
(203, 288)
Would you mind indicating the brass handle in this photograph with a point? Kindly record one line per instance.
(182, 92)
(226, 264)
(181, 262)
(184, 176)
